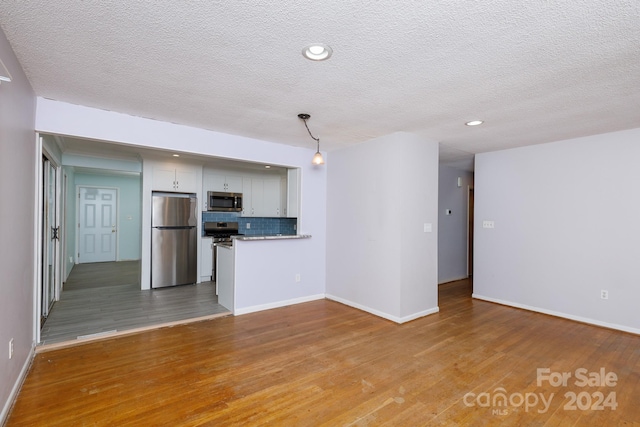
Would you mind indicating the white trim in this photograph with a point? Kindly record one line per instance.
(559, 314)
(59, 260)
(17, 385)
(419, 314)
(277, 304)
(382, 314)
(468, 229)
(37, 243)
(63, 226)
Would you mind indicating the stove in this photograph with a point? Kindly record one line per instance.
(221, 232)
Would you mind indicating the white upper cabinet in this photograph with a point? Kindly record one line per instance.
(226, 183)
(271, 199)
(171, 177)
(247, 206)
(292, 200)
(261, 197)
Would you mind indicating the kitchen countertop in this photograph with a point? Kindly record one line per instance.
(273, 237)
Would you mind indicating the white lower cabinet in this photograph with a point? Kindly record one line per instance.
(226, 277)
(206, 259)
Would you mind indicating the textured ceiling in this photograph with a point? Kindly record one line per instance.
(534, 71)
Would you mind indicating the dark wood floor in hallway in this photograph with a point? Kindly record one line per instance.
(325, 364)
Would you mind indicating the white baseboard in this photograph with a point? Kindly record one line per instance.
(559, 314)
(16, 386)
(379, 313)
(277, 304)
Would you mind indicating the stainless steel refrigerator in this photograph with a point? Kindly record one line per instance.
(174, 253)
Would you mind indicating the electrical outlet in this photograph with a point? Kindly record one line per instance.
(297, 277)
(604, 294)
(71, 259)
(11, 348)
(248, 225)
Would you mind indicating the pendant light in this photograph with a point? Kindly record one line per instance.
(317, 158)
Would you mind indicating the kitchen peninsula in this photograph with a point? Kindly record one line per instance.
(254, 260)
(274, 237)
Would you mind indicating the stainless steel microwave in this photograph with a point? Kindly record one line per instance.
(224, 202)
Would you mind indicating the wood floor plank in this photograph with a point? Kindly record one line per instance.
(324, 364)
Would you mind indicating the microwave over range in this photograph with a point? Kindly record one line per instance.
(224, 202)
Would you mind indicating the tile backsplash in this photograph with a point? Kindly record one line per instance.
(259, 226)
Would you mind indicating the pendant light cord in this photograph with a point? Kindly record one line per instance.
(305, 125)
(317, 158)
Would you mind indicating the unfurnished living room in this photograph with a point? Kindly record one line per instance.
(323, 213)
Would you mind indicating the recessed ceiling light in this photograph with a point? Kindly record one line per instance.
(267, 167)
(474, 123)
(317, 52)
(176, 155)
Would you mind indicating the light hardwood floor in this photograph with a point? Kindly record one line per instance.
(325, 364)
(105, 298)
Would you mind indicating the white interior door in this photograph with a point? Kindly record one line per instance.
(97, 224)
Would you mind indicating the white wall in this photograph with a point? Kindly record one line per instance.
(452, 229)
(84, 122)
(380, 194)
(69, 226)
(566, 227)
(265, 273)
(17, 215)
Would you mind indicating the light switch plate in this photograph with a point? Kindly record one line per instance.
(488, 224)
(427, 227)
